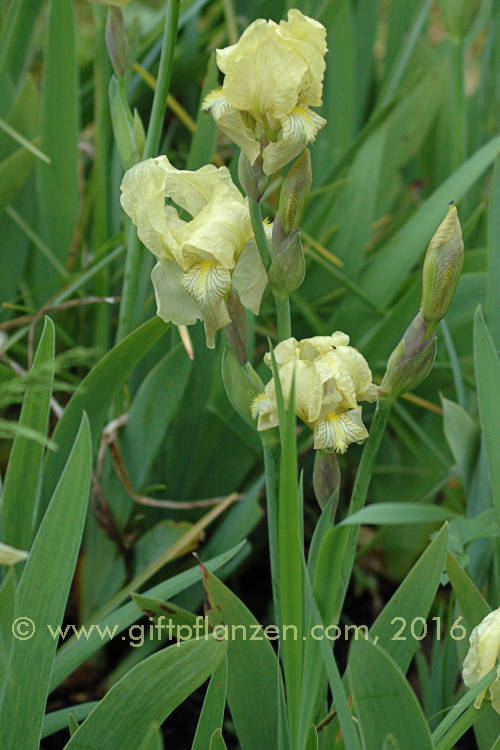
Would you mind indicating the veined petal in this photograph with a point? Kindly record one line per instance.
(308, 37)
(173, 302)
(297, 130)
(337, 431)
(263, 74)
(264, 409)
(250, 277)
(208, 283)
(232, 124)
(308, 389)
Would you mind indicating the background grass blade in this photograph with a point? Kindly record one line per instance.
(165, 680)
(41, 597)
(212, 713)
(22, 480)
(58, 181)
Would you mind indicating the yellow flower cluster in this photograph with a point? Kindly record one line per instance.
(330, 378)
(273, 74)
(483, 654)
(200, 259)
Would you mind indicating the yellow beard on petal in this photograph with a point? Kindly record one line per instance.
(208, 282)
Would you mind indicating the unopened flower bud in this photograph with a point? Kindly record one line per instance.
(237, 330)
(458, 17)
(295, 193)
(252, 178)
(127, 129)
(116, 40)
(442, 268)
(287, 269)
(326, 479)
(242, 385)
(411, 360)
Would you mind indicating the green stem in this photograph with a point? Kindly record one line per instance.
(458, 136)
(358, 498)
(259, 232)
(133, 262)
(272, 453)
(231, 22)
(100, 225)
(283, 317)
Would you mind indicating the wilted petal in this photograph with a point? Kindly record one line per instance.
(250, 277)
(337, 431)
(173, 303)
(11, 555)
(232, 124)
(484, 648)
(297, 130)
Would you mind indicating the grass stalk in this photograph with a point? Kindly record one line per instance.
(133, 261)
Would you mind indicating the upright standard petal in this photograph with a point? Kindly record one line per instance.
(263, 74)
(308, 37)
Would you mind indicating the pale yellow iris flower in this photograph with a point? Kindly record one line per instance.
(199, 259)
(482, 656)
(273, 75)
(330, 378)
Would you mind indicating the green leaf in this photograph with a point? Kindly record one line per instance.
(410, 605)
(41, 599)
(75, 651)
(57, 720)
(14, 171)
(399, 513)
(94, 395)
(217, 741)
(242, 385)
(487, 365)
(462, 435)
(58, 181)
(212, 713)
(385, 704)
(389, 269)
(7, 596)
(152, 410)
(165, 680)
(15, 41)
(493, 278)
(205, 136)
(252, 688)
(22, 480)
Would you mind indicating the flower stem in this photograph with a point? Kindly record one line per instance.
(358, 498)
(283, 317)
(133, 261)
(272, 454)
(259, 232)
